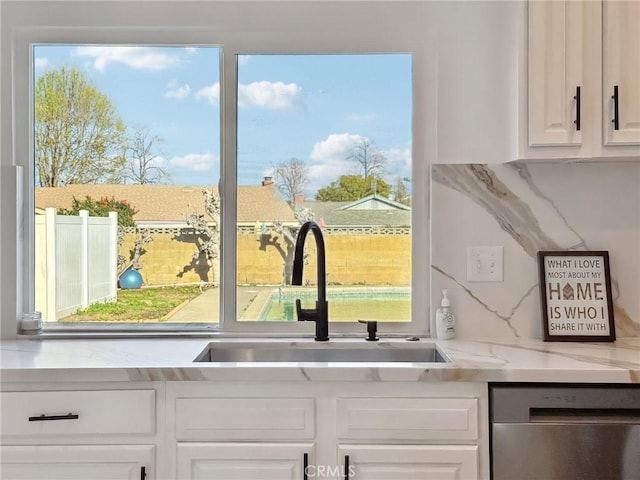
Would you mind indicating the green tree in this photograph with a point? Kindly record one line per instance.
(401, 192)
(79, 137)
(349, 188)
(102, 207)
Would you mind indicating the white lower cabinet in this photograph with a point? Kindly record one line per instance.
(76, 432)
(239, 437)
(366, 431)
(209, 430)
(414, 425)
(408, 462)
(243, 461)
(77, 462)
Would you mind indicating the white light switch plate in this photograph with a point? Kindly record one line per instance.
(485, 264)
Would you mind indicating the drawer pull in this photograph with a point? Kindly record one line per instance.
(43, 417)
(616, 111)
(305, 466)
(346, 467)
(577, 99)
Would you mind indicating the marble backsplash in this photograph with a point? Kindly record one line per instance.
(527, 207)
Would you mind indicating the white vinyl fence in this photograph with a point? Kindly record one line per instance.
(76, 260)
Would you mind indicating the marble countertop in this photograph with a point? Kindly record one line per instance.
(166, 359)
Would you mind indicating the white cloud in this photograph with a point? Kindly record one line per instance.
(145, 58)
(270, 95)
(243, 59)
(274, 96)
(210, 93)
(331, 159)
(337, 146)
(41, 62)
(197, 162)
(174, 90)
(397, 163)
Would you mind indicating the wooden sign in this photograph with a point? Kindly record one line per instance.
(575, 290)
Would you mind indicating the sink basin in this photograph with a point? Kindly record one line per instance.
(358, 352)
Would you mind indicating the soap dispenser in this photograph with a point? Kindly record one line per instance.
(445, 321)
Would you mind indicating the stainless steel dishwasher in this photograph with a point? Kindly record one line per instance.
(547, 432)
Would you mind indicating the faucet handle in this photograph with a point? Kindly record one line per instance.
(304, 314)
(372, 326)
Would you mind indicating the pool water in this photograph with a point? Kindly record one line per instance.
(344, 306)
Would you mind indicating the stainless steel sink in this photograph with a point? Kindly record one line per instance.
(418, 352)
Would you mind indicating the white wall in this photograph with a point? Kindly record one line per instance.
(3, 198)
(479, 47)
(467, 113)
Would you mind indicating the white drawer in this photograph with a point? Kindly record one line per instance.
(407, 419)
(110, 412)
(244, 418)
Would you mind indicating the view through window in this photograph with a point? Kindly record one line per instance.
(135, 131)
(325, 138)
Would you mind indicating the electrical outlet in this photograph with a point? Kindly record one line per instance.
(485, 264)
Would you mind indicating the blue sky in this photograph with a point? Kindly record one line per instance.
(311, 107)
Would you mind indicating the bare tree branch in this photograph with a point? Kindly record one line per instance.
(291, 177)
(143, 158)
(370, 161)
(208, 229)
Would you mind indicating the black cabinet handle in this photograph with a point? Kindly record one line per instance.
(305, 464)
(43, 417)
(143, 473)
(346, 467)
(577, 99)
(616, 113)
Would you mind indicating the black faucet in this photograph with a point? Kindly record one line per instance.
(320, 314)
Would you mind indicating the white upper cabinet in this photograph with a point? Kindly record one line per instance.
(579, 53)
(621, 68)
(556, 72)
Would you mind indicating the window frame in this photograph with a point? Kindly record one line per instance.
(296, 30)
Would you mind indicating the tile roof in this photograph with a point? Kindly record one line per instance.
(334, 214)
(171, 203)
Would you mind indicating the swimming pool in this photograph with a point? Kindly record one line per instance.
(345, 303)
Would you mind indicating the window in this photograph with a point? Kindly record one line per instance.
(329, 141)
(258, 102)
(133, 130)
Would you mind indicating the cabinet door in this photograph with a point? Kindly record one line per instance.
(621, 64)
(407, 419)
(98, 412)
(414, 462)
(556, 70)
(77, 462)
(243, 461)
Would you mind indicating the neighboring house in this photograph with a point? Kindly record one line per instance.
(168, 206)
(370, 211)
(357, 232)
(162, 210)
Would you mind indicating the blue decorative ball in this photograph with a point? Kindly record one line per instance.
(130, 279)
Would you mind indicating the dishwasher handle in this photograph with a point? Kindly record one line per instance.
(584, 415)
(527, 404)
